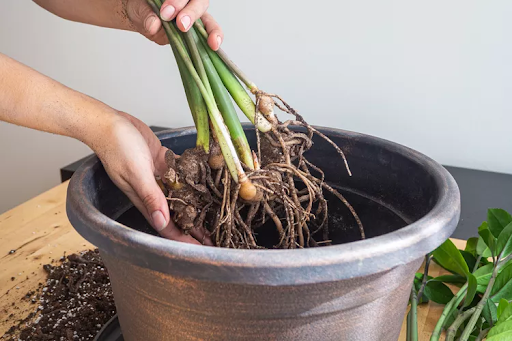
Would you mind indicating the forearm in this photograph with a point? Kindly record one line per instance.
(105, 13)
(32, 100)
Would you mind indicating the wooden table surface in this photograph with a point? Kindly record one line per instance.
(38, 231)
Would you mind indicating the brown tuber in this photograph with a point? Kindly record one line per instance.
(249, 192)
(266, 108)
(216, 159)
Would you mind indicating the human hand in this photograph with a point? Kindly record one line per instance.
(186, 12)
(132, 156)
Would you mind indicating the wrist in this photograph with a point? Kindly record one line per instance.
(98, 126)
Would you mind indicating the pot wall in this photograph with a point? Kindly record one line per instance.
(159, 307)
(357, 290)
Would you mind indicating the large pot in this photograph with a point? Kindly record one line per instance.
(358, 290)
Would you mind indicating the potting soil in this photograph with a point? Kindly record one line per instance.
(74, 304)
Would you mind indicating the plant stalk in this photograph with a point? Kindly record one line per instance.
(196, 104)
(226, 107)
(412, 317)
(237, 91)
(448, 310)
(198, 62)
(478, 260)
(227, 147)
(479, 307)
(452, 331)
(482, 334)
(234, 68)
(428, 258)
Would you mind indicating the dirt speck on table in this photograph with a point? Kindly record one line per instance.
(73, 304)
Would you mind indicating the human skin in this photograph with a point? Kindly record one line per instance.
(130, 152)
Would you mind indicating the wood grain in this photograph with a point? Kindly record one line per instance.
(39, 232)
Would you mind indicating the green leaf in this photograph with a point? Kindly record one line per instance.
(471, 245)
(482, 249)
(456, 279)
(501, 332)
(438, 292)
(498, 219)
(472, 286)
(504, 245)
(501, 306)
(490, 313)
(506, 313)
(487, 237)
(449, 257)
(483, 274)
(502, 287)
(469, 258)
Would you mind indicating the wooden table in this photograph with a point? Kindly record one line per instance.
(38, 231)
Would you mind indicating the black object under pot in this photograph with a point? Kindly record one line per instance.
(111, 331)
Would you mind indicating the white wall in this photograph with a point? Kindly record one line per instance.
(431, 75)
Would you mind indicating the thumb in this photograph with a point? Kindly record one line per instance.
(151, 200)
(142, 16)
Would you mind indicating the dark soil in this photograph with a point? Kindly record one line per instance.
(74, 304)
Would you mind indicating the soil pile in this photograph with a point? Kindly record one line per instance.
(74, 304)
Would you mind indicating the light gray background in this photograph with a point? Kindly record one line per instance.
(433, 75)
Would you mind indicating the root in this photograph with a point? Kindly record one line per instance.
(292, 190)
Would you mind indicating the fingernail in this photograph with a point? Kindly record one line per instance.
(167, 13)
(159, 222)
(219, 40)
(185, 21)
(149, 22)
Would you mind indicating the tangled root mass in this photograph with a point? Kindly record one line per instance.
(291, 190)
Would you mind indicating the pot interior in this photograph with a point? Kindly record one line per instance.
(389, 188)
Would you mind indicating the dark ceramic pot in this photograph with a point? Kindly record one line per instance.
(355, 291)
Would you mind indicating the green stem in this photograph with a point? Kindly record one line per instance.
(226, 108)
(227, 147)
(477, 264)
(428, 258)
(482, 334)
(198, 62)
(452, 331)
(234, 68)
(194, 98)
(412, 317)
(479, 307)
(237, 91)
(448, 310)
(196, 105)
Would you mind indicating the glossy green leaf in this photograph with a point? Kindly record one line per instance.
(501, 306)
(438, 292)
(490, 312)
(454, 279)
(483, 274)
(472, 286)
(497, 219)
(504, 244)
(449, 257)
(506, 313)
(502, 287)
(471, 245)
(487, 237)
(482, 249)
(501, 332)
(469, 258)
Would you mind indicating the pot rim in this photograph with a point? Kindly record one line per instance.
(272, 267)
